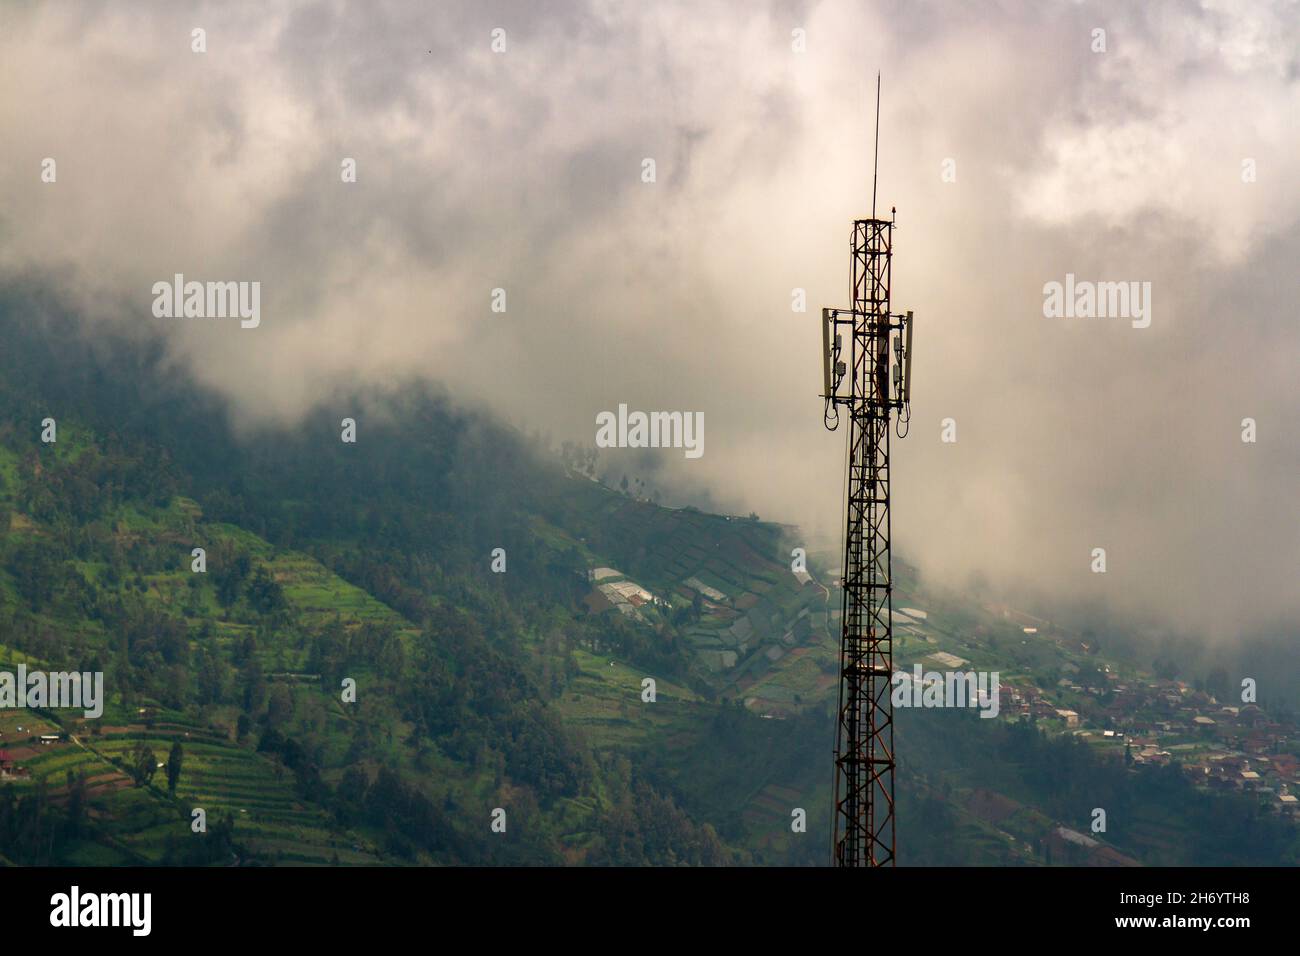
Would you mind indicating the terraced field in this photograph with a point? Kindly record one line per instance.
(222, 776)
(604, 703)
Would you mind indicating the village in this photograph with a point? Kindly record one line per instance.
(1139, 719)
(1227, 747)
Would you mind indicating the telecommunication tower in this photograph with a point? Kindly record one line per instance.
(863, 827)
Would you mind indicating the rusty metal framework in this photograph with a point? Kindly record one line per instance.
(863, 829)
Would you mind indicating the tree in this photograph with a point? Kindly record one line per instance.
(143, 763)
(174, 760)
(230, 577)
(265, 593)
(212, 678)
(279, 708)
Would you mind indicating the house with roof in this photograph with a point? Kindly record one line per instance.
(1070, 717)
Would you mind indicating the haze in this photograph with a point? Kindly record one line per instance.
(522, 170)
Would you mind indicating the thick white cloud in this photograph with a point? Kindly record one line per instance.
(522, 170)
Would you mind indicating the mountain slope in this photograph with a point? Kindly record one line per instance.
(479, 686)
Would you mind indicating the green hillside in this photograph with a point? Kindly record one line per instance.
(636, 685)
(326, 563)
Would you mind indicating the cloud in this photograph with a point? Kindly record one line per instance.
(522, 171)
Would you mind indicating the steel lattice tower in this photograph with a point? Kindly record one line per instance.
(863, 829)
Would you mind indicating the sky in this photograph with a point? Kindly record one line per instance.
(1020, 143)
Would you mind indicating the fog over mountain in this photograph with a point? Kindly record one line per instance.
(1171, 157)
